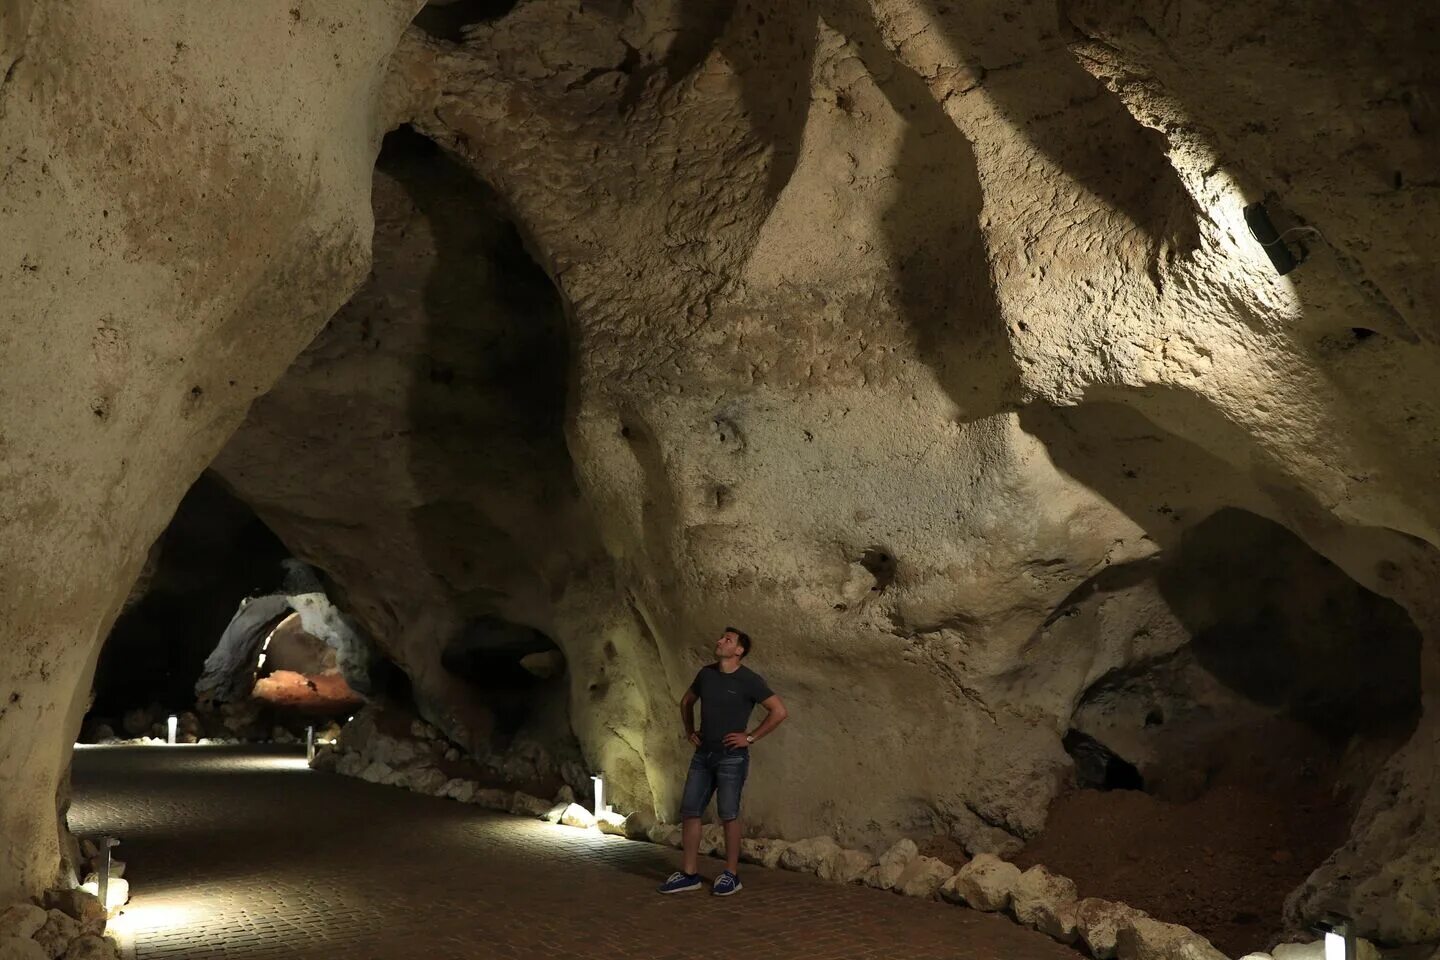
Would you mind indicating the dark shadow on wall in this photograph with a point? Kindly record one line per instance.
(497, 510)
(1035, 81)
(1275, 624)
(1281, 625)
(771, 48)
(937, 254)
(214, 552)
(487, 396)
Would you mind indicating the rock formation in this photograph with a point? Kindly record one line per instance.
(184, 202)
(925, 341)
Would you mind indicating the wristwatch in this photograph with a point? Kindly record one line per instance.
(749, 739)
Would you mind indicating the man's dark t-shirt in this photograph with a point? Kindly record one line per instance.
(726, 700)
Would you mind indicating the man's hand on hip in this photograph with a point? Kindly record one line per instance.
(694, 739)
(737, 741)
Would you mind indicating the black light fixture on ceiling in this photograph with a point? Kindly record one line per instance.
(1269, 238)
(1272, 241)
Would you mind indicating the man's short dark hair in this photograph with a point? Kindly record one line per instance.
(743, 637)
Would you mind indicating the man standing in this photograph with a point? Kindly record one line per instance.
(728, 692)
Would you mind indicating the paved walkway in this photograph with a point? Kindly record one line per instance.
(245, 853)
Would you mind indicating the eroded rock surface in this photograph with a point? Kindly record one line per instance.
(184, 201)
(920, 340)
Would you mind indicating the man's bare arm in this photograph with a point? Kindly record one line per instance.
(687, 716)
(776, 714)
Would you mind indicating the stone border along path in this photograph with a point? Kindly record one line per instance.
(242, 852)
(1036, 898)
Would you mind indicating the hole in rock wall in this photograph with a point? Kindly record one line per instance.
(1097, 768)
(447, 19)
(513, 669)
(213, 632)
(1227, 756)
(881, 564)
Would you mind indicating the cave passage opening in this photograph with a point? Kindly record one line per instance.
(1212, 776)
(228, 634)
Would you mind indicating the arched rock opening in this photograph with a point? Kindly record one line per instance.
(416, 452)
(226, 631)
(1220, 766)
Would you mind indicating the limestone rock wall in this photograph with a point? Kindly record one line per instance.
(965, 287)
(881, 328)
(184, 199)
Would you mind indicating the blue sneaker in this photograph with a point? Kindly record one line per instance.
(726, 884)
(680, 882)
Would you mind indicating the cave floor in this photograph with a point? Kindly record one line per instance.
(244, 852)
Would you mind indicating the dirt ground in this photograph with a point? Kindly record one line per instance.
(1221, 864)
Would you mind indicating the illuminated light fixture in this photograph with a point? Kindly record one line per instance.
(599, 781)
(173, 724)
(1340, 941)
(310, 744)
(101, 888)
(260, 665)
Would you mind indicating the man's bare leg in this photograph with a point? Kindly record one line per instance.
(690, 833)
(732, 845)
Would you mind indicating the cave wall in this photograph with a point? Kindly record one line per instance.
(184, 200)
(968, 285)
(886, 326)
(415, 451)
(213, 553)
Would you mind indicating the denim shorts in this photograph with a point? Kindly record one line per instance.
(720, 773)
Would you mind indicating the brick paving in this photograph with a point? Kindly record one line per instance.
(244, 853)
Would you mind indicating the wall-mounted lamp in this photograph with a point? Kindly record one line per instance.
(173, 724)
(1272, 241)
(310, 744)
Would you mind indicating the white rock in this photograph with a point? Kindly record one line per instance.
(845, 866)
(638, 824)
(425, 780)
(985, 883)
(21, 920)
(575, 815)
(377, 772)
(612, 823)
(80, 905)
(765, 852)
(492, 799)
(893, 863)
(1046, 902)
(924, 877)
(21, 948)
(350, 765)
(1099, 922)
(1146, 939)
(462, 790)
(555, 812)
(117, 892)
(1299, 951)
(1257, 956)
(807, 855)
(56, 934)
(529, 806)
(712, 840)
(668, 835)
(565, 794)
